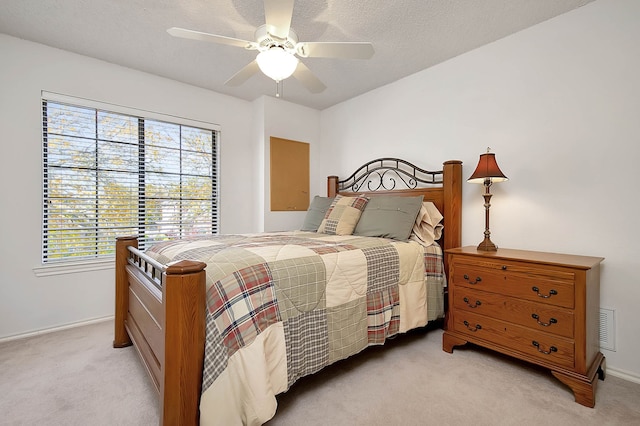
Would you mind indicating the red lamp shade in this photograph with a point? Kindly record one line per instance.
(487, 169)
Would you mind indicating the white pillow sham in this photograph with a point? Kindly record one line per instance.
(428, 225)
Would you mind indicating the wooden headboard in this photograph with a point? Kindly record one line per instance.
(399, 177)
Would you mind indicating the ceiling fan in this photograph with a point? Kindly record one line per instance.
(279, 48)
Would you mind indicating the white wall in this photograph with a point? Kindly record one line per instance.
(28, 303)
(559, 104)
(287, 120)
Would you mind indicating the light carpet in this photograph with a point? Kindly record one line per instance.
(75, 377)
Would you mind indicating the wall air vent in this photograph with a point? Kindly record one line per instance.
(607, 329)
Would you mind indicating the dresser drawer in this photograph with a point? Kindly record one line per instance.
(520, 280)
(543, 346)
(538, 316)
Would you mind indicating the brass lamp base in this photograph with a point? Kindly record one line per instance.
(487, 245)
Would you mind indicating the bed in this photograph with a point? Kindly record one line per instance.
(224, 324)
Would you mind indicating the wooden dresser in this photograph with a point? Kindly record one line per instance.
(539, 307)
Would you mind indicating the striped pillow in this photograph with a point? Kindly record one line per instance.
(343, 215)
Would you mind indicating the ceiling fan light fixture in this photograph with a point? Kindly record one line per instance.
(276, 63)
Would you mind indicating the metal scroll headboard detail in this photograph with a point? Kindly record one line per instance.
(384, 174)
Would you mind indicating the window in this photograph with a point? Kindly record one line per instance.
(110, 174)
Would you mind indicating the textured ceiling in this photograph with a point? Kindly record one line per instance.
(407, 35)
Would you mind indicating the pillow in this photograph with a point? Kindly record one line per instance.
(389, 216)
(428, 225)
(317, 209)
(343, 215)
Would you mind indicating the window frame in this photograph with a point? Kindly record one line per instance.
(97, 262)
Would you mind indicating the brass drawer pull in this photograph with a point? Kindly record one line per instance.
(477, 280)
(551, 292)
(478, 303)
(544, 324)
(551, 349)
(466, 324)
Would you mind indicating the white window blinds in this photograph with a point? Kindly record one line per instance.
(109, 174)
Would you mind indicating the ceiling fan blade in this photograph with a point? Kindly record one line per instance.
(277, 14)
(344, 50)
(308, 80)
(243, 75)
(213, 38)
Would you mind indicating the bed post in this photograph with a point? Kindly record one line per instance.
(332, 186)
(452, 183)
(121, 337)
(184, 300)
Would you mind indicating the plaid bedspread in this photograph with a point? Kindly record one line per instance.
(285, 305)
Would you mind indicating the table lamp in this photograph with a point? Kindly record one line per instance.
(487, 172)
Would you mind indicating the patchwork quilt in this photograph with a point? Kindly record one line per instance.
(284, 305)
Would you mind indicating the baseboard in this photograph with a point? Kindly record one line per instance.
(54, 329)
(625, 375)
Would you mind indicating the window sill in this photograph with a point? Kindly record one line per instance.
(62, 268)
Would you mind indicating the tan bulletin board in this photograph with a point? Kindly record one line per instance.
(289, 175)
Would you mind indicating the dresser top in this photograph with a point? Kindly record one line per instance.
(570, 260)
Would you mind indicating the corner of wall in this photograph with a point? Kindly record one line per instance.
(257, 161)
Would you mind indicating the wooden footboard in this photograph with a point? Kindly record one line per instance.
(161, 310)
